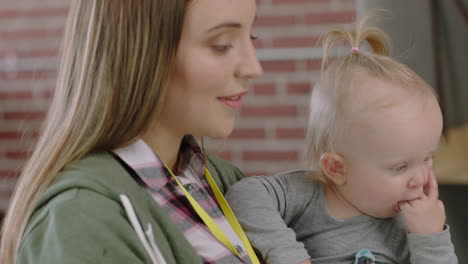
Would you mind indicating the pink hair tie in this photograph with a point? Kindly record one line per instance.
(356, 49)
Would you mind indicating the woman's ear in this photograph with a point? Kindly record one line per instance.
(333, 167)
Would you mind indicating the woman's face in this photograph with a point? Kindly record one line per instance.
(214, 61)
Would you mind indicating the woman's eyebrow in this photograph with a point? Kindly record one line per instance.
(227, 25)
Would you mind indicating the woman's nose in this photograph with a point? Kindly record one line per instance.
(249, 66)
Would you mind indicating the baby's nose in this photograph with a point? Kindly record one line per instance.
(419, 178)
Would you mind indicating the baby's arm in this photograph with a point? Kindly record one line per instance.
(262, 204)
(429, 237)
(432, 249)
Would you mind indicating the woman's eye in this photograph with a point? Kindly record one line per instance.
(221, 48)
(252, 37)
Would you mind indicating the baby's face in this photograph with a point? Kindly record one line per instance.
(389, 154)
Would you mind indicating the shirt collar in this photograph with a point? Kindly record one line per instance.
(149, 167)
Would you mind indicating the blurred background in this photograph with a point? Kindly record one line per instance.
(431, 36)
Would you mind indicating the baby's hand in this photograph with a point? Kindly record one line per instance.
(425, 215)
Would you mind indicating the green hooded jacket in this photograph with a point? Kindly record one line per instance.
(81, 219)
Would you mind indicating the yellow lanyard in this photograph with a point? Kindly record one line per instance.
(210, 223)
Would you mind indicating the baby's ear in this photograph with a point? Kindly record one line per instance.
(333, 167)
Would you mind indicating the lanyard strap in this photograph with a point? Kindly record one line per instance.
(211, 224)
(231, 217)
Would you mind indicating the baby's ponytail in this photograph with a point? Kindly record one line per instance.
(376, 39)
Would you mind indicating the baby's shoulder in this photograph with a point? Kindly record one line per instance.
(299, 178)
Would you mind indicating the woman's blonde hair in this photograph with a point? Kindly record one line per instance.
(336, 89)
(116, 61)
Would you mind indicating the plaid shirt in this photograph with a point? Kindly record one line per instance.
(170, 197)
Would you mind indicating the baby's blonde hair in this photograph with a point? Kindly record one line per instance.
(337, 87)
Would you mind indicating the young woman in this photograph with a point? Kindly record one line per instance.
(117, 175)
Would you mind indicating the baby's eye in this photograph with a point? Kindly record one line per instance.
(401, 168)
(427, 159)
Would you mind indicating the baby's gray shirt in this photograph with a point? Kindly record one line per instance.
(286, 219)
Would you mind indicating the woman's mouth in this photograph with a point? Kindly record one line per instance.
(234, 102)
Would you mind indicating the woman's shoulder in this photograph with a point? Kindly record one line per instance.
(79, 223)
(95, 173)
(224, 173)
(94, 182)
(81, 215)
(219, 163)
(98, 172)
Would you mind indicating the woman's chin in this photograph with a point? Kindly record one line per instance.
(223, 132)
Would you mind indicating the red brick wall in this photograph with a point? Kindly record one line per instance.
(270, 130)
